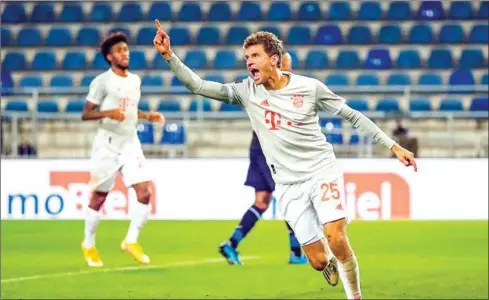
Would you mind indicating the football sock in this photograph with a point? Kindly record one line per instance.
(247, 222)
(92, 219)
(138, 220)
(295, 246)
(350, 276)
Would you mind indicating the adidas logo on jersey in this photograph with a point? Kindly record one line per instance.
(265, 103)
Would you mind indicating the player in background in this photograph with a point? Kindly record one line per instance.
(260, 178)
(283, 111)
(113, 100)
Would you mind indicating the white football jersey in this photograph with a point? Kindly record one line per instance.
(286, 123)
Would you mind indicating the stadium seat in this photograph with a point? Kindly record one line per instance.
(479, 34)
(378, 59)
(44, 60)
(451, 34)
(42, 12)
(6, 37)
(236, 35)
(101, 12)
(190, 12)
(479, 104)
(387, 105)
(173, 134)
(309, 11)
(130, 12)
(202, 104)
(90, 36)
(295, 59)
(74, 106)
(483, 12)
(159, 62)
(485, 79)
(398, 79)
(61, 81)
(72, 12)
(429, 79)
(337, 79)
(138, 60)
(215, 78)
(471, 59)
(460, 10)
(14, 13)
(225, 59)
(440, 59)
(358, 104)
(58, 37)
(145, 36)
(196, 59)
(316, 59)
(160, 10)
(230, 107)
(347, 59)
(272, 29)
(339, 11)
(47, 106)
(29, 37)
(299, 35)
(451, 105)
(146, 133)
(169, 106)
(144, 105)
(175, 82)
(219, 12)
(420, 105)
(390, 34)
(30, 81)
(408, 59)
(17, 105)
(367, 79)
(242, 76)
(279, 11)
(86, 80)
(152, 80)
(122, 29)
(430, 11)
(355, 139)
(328, 35)
(99, 62)
(369, 11)
(399, 11)
(208, 35)
(249, 11)
(359, 35)
(179, 35)
(461, 77)
(421, 34)
(14, 61)
(7, 82)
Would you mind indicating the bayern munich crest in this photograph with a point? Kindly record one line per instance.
(298, 100)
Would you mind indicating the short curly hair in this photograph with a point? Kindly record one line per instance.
(110, 41)
(271, 44)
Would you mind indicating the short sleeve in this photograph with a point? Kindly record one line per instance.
(96, 91)
(238, 92)
(327, 100)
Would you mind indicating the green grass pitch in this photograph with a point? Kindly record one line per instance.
(439, 259)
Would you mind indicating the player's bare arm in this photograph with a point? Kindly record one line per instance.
(151, 116)
(91, 112)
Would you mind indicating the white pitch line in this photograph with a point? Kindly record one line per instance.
(121, 269)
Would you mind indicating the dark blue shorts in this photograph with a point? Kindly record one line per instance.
(259, 175)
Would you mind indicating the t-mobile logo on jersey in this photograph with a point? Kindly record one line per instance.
(275, 120)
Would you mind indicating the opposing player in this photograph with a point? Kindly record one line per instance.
(260, 178)
(113, 100)
(283, 110)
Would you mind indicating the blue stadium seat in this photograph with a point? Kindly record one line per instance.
(299, 35)
(220, 11)
(390, 34)
(225, 59)
(421, 34)
(14, 61)
(146, 35)
(152, 80)
(236, 35)
(378, 59)
(359, 35)
(215, 78)
(72, 12)
(327, 126)
(479, 104)
(430, 11)
(7, 82)
(196, 59)
(6, 37)
(272, 29)
(58, 37)
(408, 59)
(337, 79)
(355, 139)
(14, 13)
(208, 35)
(144, 105)
(173, 134)
(461, 77)
(279, 11)
(74, 106)
(485, 79)
(160, 10)
(440, 59)
(483, 12)
(471, 59)
(130, 12)
(479, 34)
(169, 106)
(461, 10)
(316, 59)
(190, 12)
(124, 30)
(242, 76)
(230, 107)
(29, 37)
(138, 60)
(17, 105)
(42, 12)
(249, 11)
(99, 62)
(146, 133)
(451, 105)
(44, 60)
(429, 79)
(398, 79)
(339, 10)
(347, 59)
(358, 104)
(309, 11)
(387, 105)
(295, 59)
(90, 36)
(175, 82)
(399, 11)
(420, 105)
(328, 35)
(86, 80)
(451, 34)
(47, 106)
(369, 11)
(101, 12)
(61, 81)
(202, 104)
(367, 79)
(159, 62)
(179, 35)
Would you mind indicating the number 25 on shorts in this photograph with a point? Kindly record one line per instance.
(330, 191)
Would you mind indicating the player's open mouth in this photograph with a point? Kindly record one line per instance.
(254, 73)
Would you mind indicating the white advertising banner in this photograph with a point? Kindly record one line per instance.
(212, 189)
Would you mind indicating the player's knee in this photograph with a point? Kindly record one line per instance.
(338, 242)
(97, 200)
(144, 196)
(318, 261)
